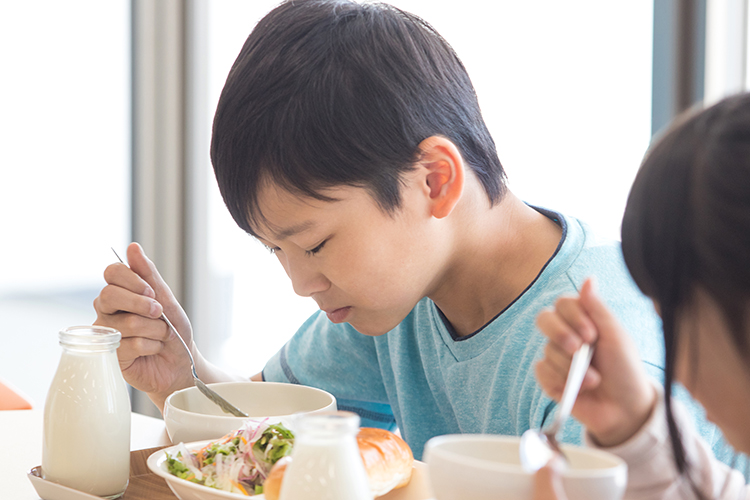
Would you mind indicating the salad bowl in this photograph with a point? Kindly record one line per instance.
(186, 490)
(190, 416)
(417, 489)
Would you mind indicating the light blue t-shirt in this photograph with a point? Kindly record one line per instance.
(423, 379)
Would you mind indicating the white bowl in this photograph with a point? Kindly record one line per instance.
(186, 490)
(190, 416)
(417, 489)
(484, 467)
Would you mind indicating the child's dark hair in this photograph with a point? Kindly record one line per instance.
(329, 93)
(687, 227)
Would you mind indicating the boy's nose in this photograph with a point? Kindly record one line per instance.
(306, 280)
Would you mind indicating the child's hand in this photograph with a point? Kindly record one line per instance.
(151, 357)
(616, 397)
(548, 483)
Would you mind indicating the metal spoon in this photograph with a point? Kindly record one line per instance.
(225, 405)
(537, 447)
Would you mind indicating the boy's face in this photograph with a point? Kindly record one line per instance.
(360, 265)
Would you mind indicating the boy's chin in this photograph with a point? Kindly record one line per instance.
(372, 328)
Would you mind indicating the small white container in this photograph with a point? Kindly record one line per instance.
(326, 464)
(86, 443)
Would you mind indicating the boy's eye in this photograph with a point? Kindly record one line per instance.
(316, 249)
(272, 250)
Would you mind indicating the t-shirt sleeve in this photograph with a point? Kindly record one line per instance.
(337, 359)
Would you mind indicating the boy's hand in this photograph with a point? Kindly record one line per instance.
(151, 358)
(616, 397)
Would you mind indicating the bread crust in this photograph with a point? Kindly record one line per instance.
(388, 459)
(388, 462)
(272, 484)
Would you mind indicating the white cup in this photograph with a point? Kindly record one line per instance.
(488, 467)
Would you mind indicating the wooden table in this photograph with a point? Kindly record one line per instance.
(21, 447)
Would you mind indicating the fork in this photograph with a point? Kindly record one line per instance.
(225, 405)
(537, 447)
(578, 366)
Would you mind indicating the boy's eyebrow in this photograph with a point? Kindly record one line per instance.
(291, 231)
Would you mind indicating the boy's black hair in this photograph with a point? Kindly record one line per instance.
(330, 92)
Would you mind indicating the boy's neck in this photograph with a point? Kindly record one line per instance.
(499, 252)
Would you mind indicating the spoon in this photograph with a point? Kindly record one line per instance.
(537, 447)
(225, 405)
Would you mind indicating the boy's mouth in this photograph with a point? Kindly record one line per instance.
(338, 315)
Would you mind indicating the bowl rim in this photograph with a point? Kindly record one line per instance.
(433, 447)
(172, 408)
(156, 461)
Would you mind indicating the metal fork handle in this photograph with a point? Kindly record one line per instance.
(225, 405)
(578, 367)
(214, 396)
(182, 341)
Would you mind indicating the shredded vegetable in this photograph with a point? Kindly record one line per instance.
(239, 462)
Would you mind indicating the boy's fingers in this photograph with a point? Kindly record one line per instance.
(113, 299)
(134, 347)
(134, 325)
(120, 275)
(143, 267)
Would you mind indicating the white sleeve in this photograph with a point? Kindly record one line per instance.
(652, 473)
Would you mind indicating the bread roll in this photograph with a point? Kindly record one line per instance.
(272, 484)
(388, 461)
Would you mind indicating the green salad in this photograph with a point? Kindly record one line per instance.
(239, 462)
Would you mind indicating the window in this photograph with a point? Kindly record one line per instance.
(65, 178)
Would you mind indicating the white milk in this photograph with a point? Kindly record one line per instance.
(326, 464)
(86, 443)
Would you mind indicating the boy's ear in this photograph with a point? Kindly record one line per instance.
(444, 174)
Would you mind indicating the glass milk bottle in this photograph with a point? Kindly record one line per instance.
(86, 443)
(326, 464)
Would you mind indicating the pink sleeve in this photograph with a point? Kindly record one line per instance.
(651, 470)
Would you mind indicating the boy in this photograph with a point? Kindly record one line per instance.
(348, 139)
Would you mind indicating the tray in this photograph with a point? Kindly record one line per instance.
(143, 484)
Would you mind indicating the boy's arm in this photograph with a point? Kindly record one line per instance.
(210, 373)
